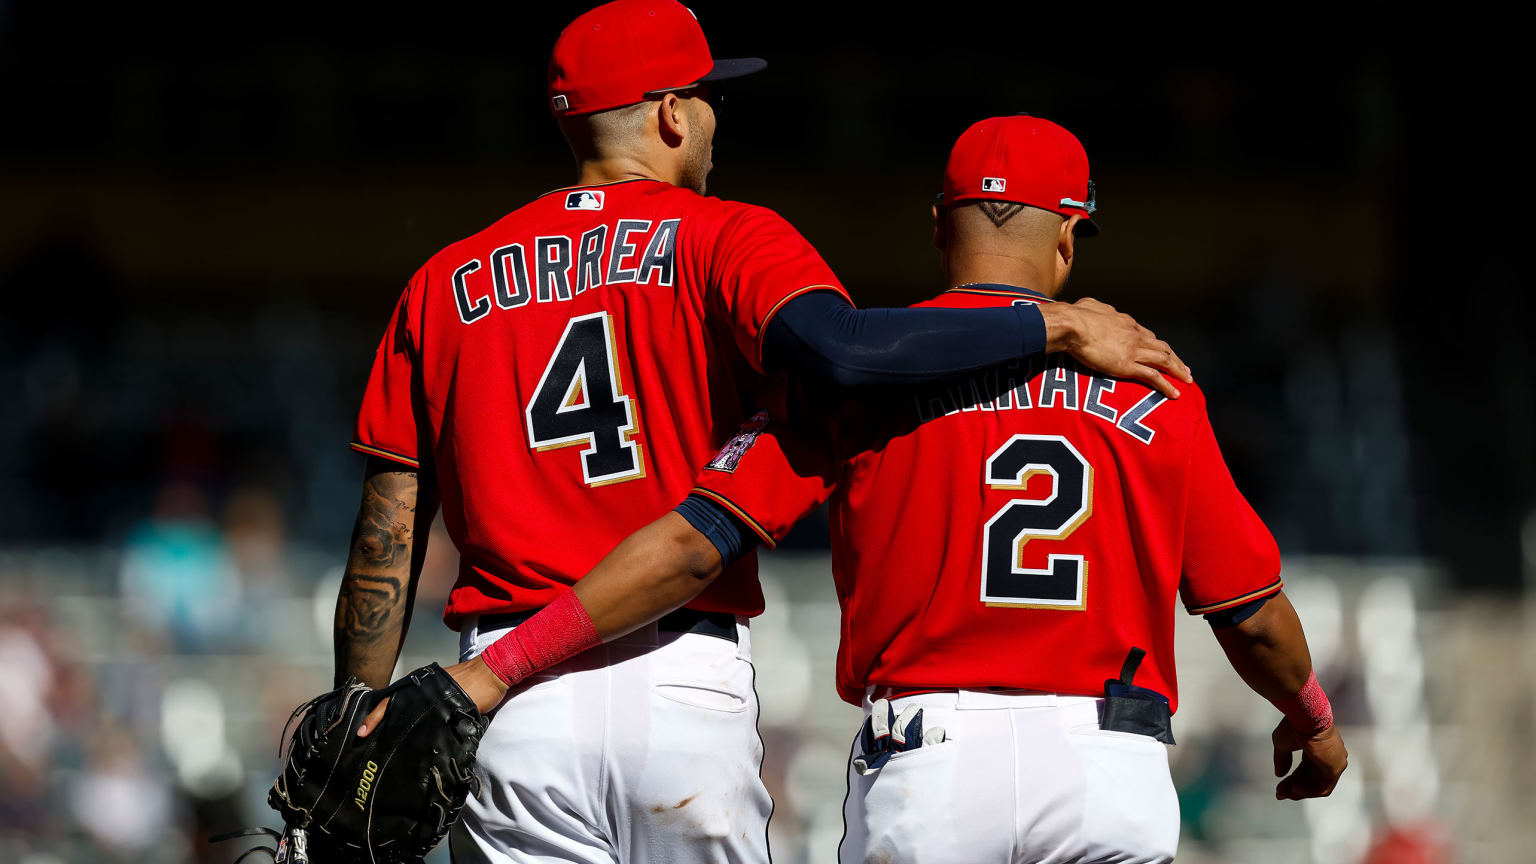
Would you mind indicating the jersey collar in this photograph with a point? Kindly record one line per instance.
(600, 185)
(997, 289)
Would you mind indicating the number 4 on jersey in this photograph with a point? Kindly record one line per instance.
(580, 400)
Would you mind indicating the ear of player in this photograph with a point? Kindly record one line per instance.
(887, 733)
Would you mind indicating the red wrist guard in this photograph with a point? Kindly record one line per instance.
(1308, 711)
(557, 632)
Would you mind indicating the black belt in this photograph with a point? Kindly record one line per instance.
(721, 625)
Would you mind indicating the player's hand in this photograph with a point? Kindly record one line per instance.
(371, 722)
(1323, 759)
(1113, 343)
(477, 680)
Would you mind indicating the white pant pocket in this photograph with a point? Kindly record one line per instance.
(904, 812)
(1130, 808)
(709, 696)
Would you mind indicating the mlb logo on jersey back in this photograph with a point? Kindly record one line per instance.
(585, 199)
(993, 184)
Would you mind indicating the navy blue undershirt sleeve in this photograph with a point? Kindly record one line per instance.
(1235, 615)
(731, 536)
(821, 335)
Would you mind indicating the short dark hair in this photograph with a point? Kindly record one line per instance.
(601, 133)
(1021, 221)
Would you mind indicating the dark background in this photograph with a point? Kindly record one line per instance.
(206, 212)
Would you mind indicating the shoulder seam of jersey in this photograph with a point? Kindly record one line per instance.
(1237, 601)
(386, 454)
(600, 185)
(762, 533)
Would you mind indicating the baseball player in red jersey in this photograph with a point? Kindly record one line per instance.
(555, 381)
(1007, 552)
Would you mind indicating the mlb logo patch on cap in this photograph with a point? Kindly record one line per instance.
(585, 199)
(994, 184)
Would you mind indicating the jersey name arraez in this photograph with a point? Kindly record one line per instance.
(1022, 387)
(561, 268)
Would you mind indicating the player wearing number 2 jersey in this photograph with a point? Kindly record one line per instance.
(557, 380)
(1008, 551)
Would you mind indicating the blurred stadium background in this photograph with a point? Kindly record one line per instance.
(204, 219)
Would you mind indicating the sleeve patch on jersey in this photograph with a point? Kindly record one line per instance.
(730, 455)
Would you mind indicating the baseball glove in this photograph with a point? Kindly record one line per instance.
(384, 799)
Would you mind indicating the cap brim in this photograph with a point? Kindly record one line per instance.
(735, 68)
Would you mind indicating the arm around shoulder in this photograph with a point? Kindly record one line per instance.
(1112, 342)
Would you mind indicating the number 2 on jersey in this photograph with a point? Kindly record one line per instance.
(1062, 583)
(580, 400)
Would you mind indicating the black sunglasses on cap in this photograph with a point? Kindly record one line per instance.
(1090, 205)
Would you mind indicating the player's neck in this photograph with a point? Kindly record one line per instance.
(591, 172)
(969, 269)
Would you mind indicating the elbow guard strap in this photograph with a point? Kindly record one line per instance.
(557, 632)
(1308, 711)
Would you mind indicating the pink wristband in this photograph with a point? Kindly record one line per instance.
(559, 631)
(1308, 711)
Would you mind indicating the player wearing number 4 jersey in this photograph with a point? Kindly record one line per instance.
(557, 380)
(1007, 552)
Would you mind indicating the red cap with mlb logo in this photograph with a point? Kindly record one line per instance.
(622, 52)
(1026, 160)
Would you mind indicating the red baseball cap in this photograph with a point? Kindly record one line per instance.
(620, 52)
(1025, 160)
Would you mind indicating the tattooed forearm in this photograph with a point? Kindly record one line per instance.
(374, 606)
(366, 604)
(381, 539)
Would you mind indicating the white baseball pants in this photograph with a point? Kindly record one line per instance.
(1023, 777)
(641, 751)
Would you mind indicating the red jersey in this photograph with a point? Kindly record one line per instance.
(566, 371)
(1024, 529)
